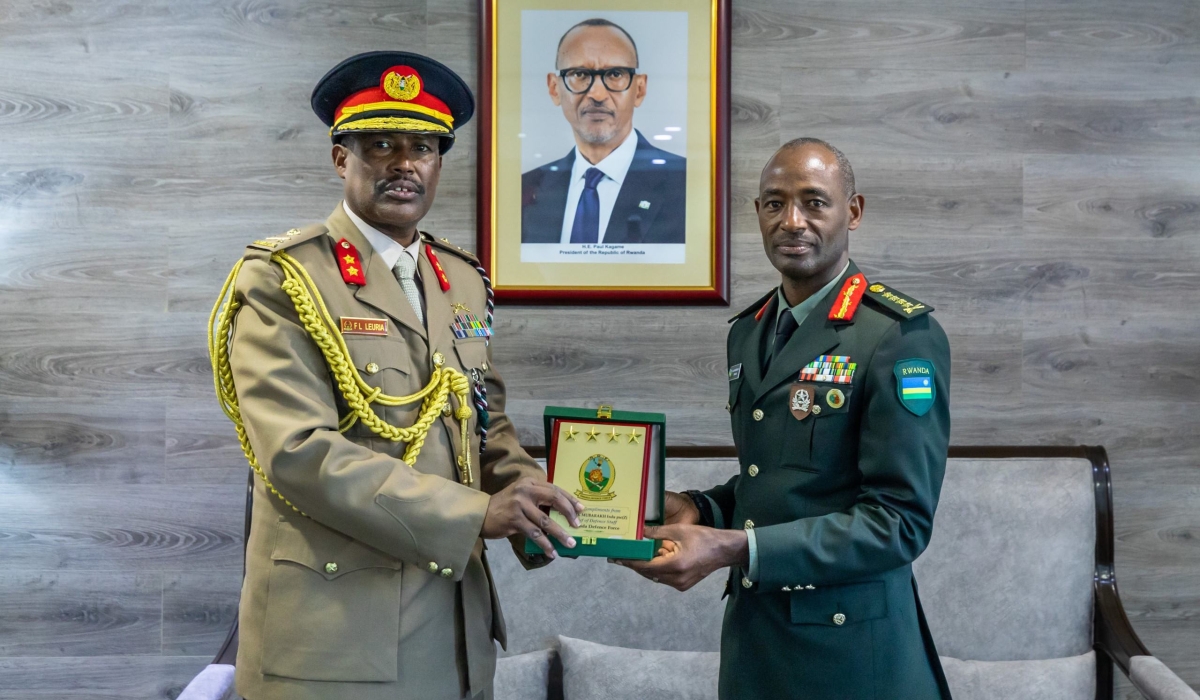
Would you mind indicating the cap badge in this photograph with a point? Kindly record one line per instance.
(401, 87)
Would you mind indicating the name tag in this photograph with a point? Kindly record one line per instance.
(364, 326)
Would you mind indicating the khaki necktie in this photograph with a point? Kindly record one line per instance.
(405, 270)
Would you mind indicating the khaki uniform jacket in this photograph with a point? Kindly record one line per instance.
(384, 590)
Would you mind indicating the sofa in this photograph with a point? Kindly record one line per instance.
(1017, 583)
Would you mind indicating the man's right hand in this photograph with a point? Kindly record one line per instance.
(517, 511)
(680, 510)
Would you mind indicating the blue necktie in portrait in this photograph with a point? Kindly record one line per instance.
(586, 228)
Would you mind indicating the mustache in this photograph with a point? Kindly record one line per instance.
(385, 185)
(597, 108)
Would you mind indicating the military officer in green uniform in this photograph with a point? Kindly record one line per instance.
(838, 394)
(355, 358)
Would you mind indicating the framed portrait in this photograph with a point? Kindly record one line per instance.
(604, 150)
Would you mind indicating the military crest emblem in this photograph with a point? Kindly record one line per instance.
(801, 400)
(597, 476)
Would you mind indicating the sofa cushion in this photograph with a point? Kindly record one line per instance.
(1008, 573)
(597, 672)
(523, 677)
(1072, 678)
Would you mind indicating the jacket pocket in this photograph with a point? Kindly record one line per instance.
(333, 607)
(472, 352)
(837, 606)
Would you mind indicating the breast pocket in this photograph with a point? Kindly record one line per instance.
(385, 364)
(333, 607)
(472, 353)
(824, 430)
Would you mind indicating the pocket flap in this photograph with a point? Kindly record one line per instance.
(855, 602)
(329, 553)
(472, 352)
(372, 355)
(834, 399)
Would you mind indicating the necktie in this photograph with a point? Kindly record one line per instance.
(405, 271)
(783, 332)
(586, 228)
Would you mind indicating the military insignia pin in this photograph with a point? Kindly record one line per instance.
(835, 399)
(350, 263)
(915, 385)
(829, 368)
(800, 400)
(735, 371)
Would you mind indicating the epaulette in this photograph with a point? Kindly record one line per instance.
(756, 307)
(895, 302)
(289, 239)
(446, 245)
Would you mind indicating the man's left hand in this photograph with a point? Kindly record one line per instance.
(690, 553)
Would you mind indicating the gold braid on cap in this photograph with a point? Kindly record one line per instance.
(359, 395)
(391, 124)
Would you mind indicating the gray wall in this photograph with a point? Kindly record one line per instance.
(1030, 168)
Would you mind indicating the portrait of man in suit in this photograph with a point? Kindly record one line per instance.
(613, 186)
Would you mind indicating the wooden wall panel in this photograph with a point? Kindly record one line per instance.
(1029, 166)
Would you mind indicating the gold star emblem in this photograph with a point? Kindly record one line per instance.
(352, 270)
(635, 436)
(612, 437)
(571, 432)
(592, 434)
(349, 259)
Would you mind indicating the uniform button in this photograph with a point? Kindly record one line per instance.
(749, 525)
(753, 470)
(372, 368)
(839, 619)
(746, 583)
(439, 359)
(758, 414)
(484, 366)
(447, 573)
(816, 410)
(728, 407)
(433, 567)
(446, 410)
(331, 567)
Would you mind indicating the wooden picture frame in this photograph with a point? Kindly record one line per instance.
(665, 232)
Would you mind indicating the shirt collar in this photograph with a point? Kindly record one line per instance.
(803, 309)
(384, 245)
(614, 166)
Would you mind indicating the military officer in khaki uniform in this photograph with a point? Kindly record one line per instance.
(354, 357)
(839, 403)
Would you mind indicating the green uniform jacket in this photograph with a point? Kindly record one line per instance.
(841, 503)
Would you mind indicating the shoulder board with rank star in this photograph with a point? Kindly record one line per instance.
(847, 299)
(289, 239)
(350, 263)
(895, 302)
(446, 245)
(757, 308)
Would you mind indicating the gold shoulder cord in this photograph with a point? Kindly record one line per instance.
(358, 394)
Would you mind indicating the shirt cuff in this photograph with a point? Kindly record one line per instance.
(752, 571)
(718, 517)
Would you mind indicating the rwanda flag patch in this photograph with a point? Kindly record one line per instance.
(915, 385)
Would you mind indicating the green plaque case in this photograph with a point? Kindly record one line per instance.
(655, 423)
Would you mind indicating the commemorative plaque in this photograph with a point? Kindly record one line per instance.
(612, 461)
